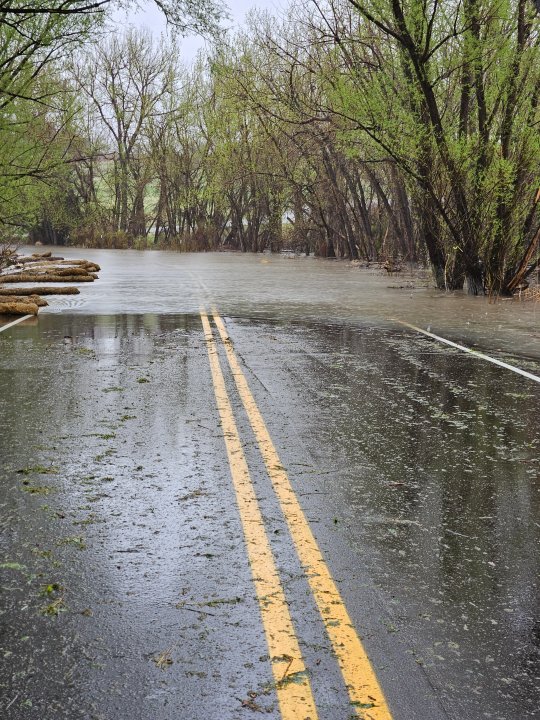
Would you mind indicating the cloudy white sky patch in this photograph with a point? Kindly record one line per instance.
(150, 17)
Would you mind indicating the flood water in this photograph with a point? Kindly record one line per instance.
(296, 288)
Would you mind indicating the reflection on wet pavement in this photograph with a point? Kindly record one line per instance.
(429, 461)
(119, 532)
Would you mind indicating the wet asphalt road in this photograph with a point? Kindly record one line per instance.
(125, 587)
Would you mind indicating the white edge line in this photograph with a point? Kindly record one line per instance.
(15, 322)
(515, 369)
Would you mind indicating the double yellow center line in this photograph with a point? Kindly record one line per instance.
(292, 681)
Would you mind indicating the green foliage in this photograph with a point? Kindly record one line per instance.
(450, 94)
(39, 137)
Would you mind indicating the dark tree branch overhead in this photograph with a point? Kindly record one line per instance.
(202, 17)
(66, 8)
(35, 32)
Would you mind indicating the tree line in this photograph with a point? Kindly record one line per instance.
(376, 129)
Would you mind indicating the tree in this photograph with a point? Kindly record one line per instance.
(179, 143)
(34, 34)
(451, 94)
(125, 80)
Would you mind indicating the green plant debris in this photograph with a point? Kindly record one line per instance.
(128, 417)
(251, 705)
(39, 470)
(12, 566)
(106, 454)
(75, 540)
(163, 660)
(92, 519)
(96, 497)
(277, 658)
(114, 388)
(222, 601)
(143, 380)
(46, 554)
(54, 608)
(190, 496)
(107, 436)
(363, 705)
(298, 678)
(192, 608)
(50, 589)
(36, 489)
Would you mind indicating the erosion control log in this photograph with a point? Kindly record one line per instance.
(45, 277)
(41, 268)
(34, 299)
(18, 308)
(67, 290)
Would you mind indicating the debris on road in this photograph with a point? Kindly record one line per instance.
(46, 276)
(12, 298)
(164, 659)
(18, 308)
(67, 290)
(40, 268)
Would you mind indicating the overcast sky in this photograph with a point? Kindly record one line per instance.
(152, 18)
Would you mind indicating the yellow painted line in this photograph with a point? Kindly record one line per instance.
(291, 680)
(15, 322)
(364, 690)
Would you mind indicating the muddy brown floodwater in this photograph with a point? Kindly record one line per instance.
(126, 592)
(283, 288)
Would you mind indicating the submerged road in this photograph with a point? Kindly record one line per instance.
(301, 509)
